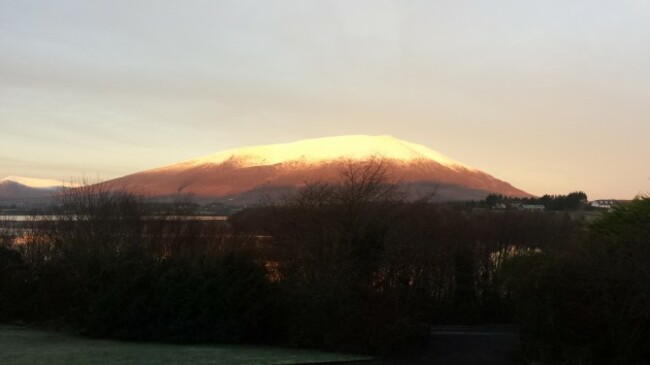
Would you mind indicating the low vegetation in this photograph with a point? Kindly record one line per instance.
(589, 302)
(26, 346)
(349, 267)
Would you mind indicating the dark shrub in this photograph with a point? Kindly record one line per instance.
(224, 299)
(590, 302)
(13, 282)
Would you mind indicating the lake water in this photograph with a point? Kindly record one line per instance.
(15, 218)
(19, 225)
(27, 218)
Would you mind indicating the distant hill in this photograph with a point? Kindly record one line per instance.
(250, 174)
(14, 192)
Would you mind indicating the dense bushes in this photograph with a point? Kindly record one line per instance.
(349, 267)
(589, 302)
(104, 267)
(360, 268)
(13, 275)
(224, 299)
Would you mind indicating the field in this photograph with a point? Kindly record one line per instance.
(25, 346)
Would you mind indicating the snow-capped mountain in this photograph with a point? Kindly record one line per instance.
(318, 150)
(36, 182)
(249, 174)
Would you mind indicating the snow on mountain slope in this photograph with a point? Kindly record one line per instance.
(37, 183)
(310, 151)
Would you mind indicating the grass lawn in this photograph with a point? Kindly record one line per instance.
(27, 346)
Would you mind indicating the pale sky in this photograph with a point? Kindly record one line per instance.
(551, 96)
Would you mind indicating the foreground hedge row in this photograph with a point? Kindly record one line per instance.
(350, 267)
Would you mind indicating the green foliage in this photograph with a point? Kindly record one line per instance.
(627, 225)
(589, 302)
(572, 201)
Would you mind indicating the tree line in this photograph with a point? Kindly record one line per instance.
(573, 201)
(352, 266)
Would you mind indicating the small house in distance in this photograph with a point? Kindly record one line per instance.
(603, 203)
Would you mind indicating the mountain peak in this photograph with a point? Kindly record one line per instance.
(35, 182)
(38, 183)
(315, 150)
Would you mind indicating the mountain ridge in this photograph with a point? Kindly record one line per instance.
(14, 191)
(34, 182)
(237, 174)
